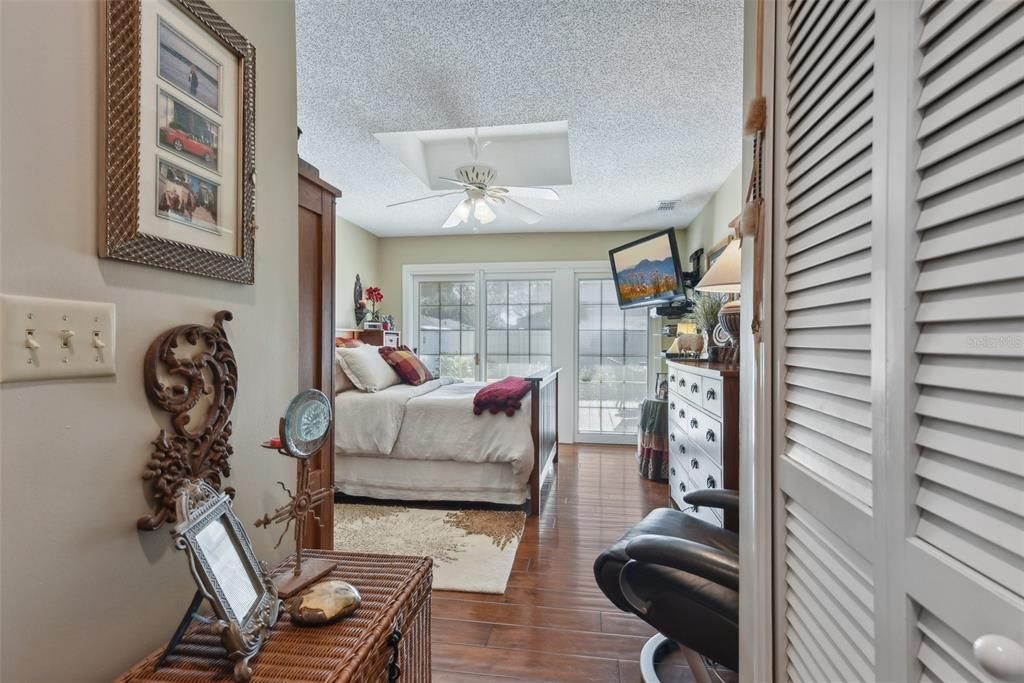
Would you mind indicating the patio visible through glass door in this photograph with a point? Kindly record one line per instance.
(611, 362)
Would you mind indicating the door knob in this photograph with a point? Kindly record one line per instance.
(1000, 657)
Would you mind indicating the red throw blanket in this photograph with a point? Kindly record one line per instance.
(503, 396)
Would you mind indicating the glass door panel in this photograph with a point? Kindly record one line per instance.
(518, 318)
(611, 361)
(446, 322)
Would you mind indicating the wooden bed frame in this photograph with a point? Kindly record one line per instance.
(544, 427)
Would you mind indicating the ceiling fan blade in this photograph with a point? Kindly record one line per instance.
(459, 214)
(454, 181)
(421, 199)
(521, 211)
(533, 193)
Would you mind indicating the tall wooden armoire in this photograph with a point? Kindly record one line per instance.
(316, 324)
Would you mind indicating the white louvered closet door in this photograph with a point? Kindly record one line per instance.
(823, 469)
(899, 467)
(967, 546)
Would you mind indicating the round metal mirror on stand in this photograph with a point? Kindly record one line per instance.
(303, 431)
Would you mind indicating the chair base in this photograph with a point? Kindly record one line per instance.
(657, 647)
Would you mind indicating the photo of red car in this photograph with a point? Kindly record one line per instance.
(185, 142)
(184, 131)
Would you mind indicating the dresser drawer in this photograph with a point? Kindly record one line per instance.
(706, 432)
(711, 396)
(678, 483)
(687, 384)
(699, 466)
(708, 514)
(678, 408)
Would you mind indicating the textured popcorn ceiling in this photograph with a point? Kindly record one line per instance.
(651, 90)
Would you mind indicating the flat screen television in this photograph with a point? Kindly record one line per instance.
(647, 271)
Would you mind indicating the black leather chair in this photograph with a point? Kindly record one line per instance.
(680, 575)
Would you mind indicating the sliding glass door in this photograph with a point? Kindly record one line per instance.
(611, 363)
(446, 323)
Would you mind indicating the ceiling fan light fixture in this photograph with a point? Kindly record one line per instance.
(482, 212)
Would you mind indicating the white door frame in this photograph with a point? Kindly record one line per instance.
(758, 364)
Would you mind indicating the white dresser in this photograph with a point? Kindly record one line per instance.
(703, 433)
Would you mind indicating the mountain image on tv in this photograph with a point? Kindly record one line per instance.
(648, 279)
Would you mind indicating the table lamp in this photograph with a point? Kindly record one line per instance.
(723, 277)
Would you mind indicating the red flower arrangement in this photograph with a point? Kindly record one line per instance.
(375, 296)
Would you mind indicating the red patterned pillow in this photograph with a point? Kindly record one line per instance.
(347, 343)
(407, 364)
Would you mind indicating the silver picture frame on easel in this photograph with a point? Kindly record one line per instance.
(227, 573)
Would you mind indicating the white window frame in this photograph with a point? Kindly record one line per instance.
(564, 342)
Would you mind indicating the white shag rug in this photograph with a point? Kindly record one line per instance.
(473, 550)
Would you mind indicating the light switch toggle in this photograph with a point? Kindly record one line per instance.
(30, 340)
(65, 338)
(97, 340)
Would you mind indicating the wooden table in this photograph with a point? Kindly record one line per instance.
(394, 616)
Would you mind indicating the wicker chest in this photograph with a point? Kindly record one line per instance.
(394, 617)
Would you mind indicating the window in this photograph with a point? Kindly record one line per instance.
(447, 327)
(518, 327)
(611, 361)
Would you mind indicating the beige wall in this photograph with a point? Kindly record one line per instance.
(712, 224)
(356, 251)
(84, 594)
(501, 248)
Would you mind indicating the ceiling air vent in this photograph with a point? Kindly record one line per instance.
(668, 204)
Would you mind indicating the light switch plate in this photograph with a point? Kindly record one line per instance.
(55, 338)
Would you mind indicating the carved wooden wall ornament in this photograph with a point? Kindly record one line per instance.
(197, 446)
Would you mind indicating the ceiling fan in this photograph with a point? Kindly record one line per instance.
(482, 196)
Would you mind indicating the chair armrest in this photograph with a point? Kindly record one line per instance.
(726, 499)
(695, 558)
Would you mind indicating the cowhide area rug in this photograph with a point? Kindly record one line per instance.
(473, 550)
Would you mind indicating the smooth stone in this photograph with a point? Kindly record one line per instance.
(323, 603)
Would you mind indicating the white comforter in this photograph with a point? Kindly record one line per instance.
(433, 421)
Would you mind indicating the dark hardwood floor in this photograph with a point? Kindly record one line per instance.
(553, 623)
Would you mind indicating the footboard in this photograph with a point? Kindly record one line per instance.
(544, 427)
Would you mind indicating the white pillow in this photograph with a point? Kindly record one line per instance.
(341, 380)
(367, 370)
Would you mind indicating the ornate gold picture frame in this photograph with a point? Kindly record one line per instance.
(179, 128)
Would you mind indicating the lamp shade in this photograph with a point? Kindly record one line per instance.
(724, 274)
(686, 327)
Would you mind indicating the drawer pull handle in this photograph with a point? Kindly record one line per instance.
(672, 436)
(682, 448)
(682, 382)
(672, 405)
(710, 436)
(682, 413)
(693, 423)
(694, 388)
(711, 394)
(682, 487)
(695, 464)
(672, 471)
(711, 482)
(671, 378)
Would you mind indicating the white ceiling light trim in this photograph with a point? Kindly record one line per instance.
(528, 154)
